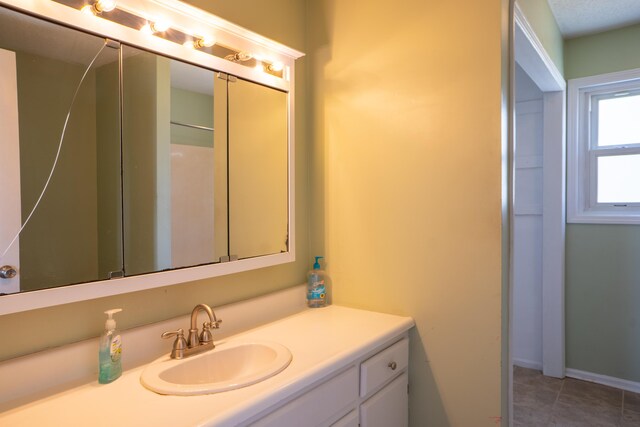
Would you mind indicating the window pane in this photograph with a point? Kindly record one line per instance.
(619, 121)
(619, 179)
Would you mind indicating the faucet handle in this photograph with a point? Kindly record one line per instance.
(205, 336)
(179, 345)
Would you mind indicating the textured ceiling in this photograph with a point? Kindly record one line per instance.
(581, 17)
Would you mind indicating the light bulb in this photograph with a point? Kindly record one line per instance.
(206, 41)
(146, 29)
(105, 5)
(98, 6)
(153, 27)
(276, 66)
(189, 44)
(88, 9)
(160, 26)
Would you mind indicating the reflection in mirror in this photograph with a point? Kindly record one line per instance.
(258, 159)
(119, 162)
(74, 234)
(171, 166)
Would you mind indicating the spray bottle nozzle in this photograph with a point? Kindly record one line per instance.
(110, 324)
(316, 265)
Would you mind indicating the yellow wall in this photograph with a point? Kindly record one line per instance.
(50, 327)
(398, 183)
(407, 152)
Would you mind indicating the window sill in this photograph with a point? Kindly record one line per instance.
(600, 217)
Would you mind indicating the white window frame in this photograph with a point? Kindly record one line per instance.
(582, 154)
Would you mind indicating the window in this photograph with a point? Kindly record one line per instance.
(604, 149)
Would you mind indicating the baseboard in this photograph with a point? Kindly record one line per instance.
(531, 364)
(603, 379)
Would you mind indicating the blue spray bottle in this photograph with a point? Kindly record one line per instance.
(316, 286)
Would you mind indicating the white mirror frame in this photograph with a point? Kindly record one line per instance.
(227, 34)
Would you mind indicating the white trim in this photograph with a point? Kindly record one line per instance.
(532, 56)
(182, 16)
(534, 60)
(579, 171)
(228, 27)
(56, 296)
(529, 364)
(604, 380)
(553, 234)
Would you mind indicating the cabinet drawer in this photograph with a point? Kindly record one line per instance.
(384, 366)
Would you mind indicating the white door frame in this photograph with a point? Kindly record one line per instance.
(534, 60)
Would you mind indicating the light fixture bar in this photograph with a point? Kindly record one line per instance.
(124, 13)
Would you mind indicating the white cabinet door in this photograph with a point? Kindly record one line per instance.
(388, 407)
(349, 420)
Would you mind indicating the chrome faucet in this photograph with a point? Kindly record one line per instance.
(197, 343)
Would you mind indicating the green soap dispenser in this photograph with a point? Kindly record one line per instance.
(110, 355)
(317, 286)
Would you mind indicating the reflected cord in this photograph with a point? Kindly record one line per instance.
(55, 162)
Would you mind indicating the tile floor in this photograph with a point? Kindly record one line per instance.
(540, 401)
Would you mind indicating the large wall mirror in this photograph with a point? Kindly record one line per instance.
(132, 161)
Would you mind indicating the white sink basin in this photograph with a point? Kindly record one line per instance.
(229, 366)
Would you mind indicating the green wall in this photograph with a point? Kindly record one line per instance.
(601, 53)
(542, 21)
(602, 268)
(602, 297)
(73, 322)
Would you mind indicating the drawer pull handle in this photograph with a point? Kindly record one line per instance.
(392, 365)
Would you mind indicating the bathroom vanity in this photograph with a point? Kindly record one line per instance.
(348, 368)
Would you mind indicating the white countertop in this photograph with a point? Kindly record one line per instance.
(321, 340)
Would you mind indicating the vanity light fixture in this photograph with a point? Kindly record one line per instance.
(99, 6)
(152, 22)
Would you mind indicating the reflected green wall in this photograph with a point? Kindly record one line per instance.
(602, 268)
(544, 24)
(142, 149)
(73, 322)
(69, 254)
(195, 109)
(109, 177)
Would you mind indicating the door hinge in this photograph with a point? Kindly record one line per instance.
(113, 44)
(116, 274)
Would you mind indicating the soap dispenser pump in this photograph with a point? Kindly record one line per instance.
(316, 286)
(110, 355)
